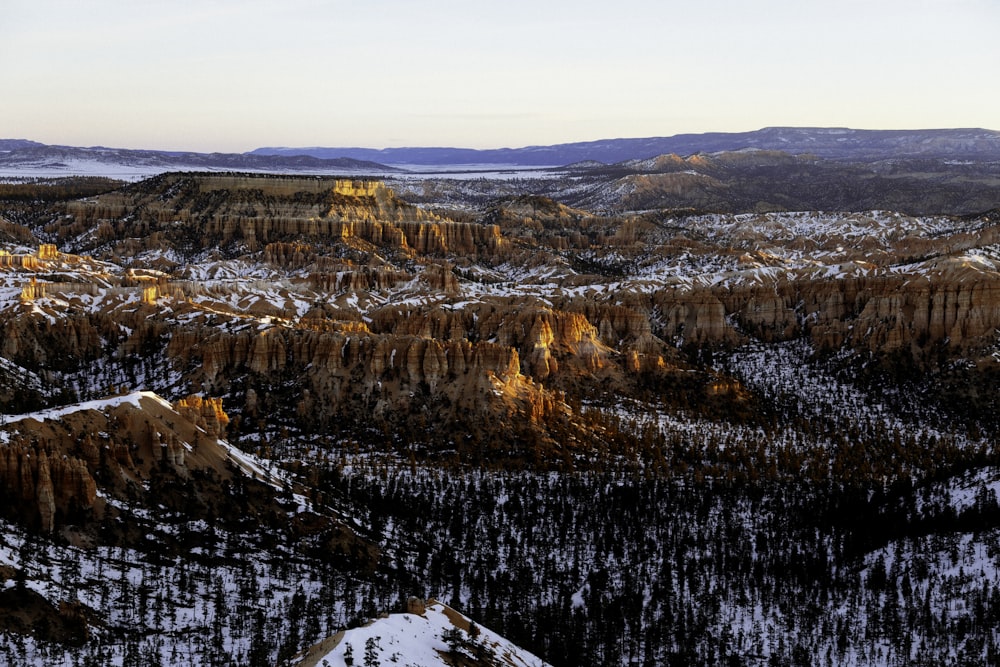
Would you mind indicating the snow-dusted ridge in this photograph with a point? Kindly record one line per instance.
(133, 398)
(431, 639)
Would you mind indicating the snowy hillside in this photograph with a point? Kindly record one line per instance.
(439, 636)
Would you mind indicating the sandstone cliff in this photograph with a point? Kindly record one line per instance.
(953, 304)
(80, 467)
(45, 484)
(185, 211)
(205, 413)
(345, 373)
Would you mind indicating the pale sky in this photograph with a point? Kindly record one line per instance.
(233, 75)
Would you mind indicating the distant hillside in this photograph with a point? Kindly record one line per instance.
(832, 143)
(24, 157)
(31, 158)
(759, 180)
(16, 144)
(749, 180)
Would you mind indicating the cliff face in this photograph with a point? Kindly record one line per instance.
(74, 337)
(540, 335)
(954, 305)
(44, 486)
(205, 413)
(79, 467)
(16, 233)
(206, 211)
(342, 374)
(50, 468)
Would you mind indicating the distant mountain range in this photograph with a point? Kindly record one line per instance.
(21, 156)
(829, 143)
(32, 158)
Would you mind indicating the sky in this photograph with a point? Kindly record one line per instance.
(234, 75)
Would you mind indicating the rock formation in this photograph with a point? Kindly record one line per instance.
(354, 310)
(205, 413)
(138, 451)
(46, 485)
(257, 211)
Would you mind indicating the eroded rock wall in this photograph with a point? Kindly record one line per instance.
(257, 211)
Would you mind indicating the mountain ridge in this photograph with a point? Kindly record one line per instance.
(830, 143)
(22, 155)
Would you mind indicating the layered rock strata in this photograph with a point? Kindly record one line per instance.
(256, 211)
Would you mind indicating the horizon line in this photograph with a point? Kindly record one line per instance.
(498, 148)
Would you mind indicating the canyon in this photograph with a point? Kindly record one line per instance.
(264, 362)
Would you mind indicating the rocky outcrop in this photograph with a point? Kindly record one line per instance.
(10, 231)
(694, 317)
(45, 484)
(24, 339)
(143, 454)
(961, 310)
(958, 306)
(290, 255)
(345, 373)
(205, 413)
(542, 336)
(534, 219)
(27, 262)
(355, 279)
(46, 496)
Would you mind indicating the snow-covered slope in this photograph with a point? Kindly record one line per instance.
(436, 637)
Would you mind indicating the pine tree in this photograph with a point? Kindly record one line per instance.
(372, 649)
